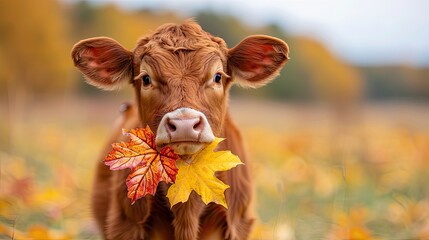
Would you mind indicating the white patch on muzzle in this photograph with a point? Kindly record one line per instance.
(186, 130)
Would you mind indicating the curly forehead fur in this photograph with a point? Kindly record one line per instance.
(180, 39)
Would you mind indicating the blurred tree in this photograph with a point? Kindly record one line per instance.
(36, 38)
(34, 46)
(294, 81)
(396, 82)
(332, 79)
(112, 21)
(82, 16)
(311, 73)
(226, 27)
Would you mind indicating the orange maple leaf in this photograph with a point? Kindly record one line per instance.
(148, 166)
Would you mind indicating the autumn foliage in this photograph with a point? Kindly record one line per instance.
(198, 174)
(149, 167)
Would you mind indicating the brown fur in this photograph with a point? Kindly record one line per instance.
(181, 61)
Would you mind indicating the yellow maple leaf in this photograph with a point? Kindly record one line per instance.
(198, 174)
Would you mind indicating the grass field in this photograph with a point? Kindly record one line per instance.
(317, 175)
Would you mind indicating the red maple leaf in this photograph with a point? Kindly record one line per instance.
(148, 166)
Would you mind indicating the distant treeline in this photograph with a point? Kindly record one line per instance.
(396, 82)
(36, 38)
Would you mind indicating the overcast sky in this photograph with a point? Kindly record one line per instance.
(360, 31)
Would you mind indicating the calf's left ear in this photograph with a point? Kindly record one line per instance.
(257, 60)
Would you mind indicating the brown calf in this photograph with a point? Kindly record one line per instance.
(181, 76)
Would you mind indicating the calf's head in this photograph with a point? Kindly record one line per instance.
(181, 76)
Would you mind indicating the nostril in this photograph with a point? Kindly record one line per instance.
(198, 124)
(170, 125)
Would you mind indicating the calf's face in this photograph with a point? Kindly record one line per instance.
(181, 76)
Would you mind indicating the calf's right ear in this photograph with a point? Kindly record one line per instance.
(103, 62)
(257, 60)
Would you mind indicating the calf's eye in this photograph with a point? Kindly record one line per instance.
(146, 80)
(217, 78)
